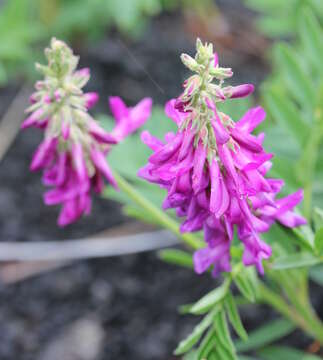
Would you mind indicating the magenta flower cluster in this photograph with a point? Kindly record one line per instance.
(73, 152)
(214, 170)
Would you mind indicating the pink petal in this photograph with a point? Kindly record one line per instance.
(100, 162)
(43, 154)
(91, 99)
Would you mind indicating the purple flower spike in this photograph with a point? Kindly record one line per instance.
(73, 153)
(214, 171)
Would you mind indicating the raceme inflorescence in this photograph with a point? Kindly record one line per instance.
(73, 152)
(214, 169)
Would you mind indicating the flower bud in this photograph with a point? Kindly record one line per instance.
(221, 73)
(239, 91)
(190, 63)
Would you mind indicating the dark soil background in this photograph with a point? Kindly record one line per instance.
(120, 308)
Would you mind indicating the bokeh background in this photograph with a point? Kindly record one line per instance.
(124, 307)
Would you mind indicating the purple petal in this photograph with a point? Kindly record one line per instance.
(32, 120)
(198, 167)
(239, 91)
(91, 98)
(79, 162)
(246, 140)
(118, 108)
(151, 141)
(219, 198)
(167, 151)
(102, 165)
(65, 130)
(170, 111)
(251, 119)
(43, 153)
(99, 134)
(221, 134)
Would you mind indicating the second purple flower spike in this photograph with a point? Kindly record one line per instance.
(73, 152)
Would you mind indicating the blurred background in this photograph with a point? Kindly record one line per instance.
(124, 307)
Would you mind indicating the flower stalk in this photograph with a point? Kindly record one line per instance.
(161, 217)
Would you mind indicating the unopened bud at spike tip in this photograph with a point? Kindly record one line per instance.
(189, 62)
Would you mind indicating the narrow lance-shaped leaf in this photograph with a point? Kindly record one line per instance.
(318, 218)
(311, 35)
(316, 274)
(186, 344)
(211, 299)
(285, 112)
(234, 316)
(245, 286)
(319, 241)
(296, 260)
(222, 352)
(223, 333)
(266, 335)
(296, 79)
(284, 352)
(207, 345)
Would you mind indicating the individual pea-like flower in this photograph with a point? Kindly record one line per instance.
(214, 169)
(73, 152)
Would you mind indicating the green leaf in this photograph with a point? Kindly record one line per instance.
(210, 299)
(222, 352)
(223, 333)
(185, 309)
(296, 260)
(316, 274)
(318, 218)
(245, 286)
(319, 240)
(284, 352)
(311, 35)
(266, 335)
(234, 316)
(275, 25)
(305, 234)
(266, 6)
(186, 344)
(296, 79)
(207, 345)
(192, 355)
(287, 115)
(177, 257)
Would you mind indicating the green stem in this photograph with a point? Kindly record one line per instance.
(307, 320)
(162, 218)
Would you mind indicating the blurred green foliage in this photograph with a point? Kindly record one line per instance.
(293, 98)
(25, 24)
(18, 33)
(280, 18)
